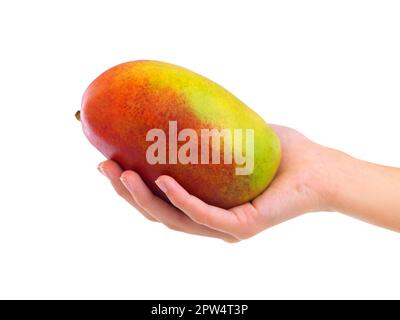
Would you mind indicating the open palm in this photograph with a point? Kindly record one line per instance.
(297, 188)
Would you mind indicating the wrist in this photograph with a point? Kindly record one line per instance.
(341, 185)
(336, 180)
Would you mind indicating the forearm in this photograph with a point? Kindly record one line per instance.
(366, 191)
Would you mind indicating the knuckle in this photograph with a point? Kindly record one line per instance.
(204, 220)
(183, 201)
(172, 226)
(180, 219)
(120, 192)
(143, 200)
(149, 217)
(244, 234)
(231, 240)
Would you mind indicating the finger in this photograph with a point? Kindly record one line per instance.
(164, 212)
(113, 172)
(199, 211)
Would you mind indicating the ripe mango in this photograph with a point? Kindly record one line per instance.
(123, 104)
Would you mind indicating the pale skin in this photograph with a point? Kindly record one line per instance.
(311, 178)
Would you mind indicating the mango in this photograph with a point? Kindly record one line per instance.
(158, 119)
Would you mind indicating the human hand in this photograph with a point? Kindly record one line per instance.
(300, 186)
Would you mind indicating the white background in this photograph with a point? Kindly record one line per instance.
(330, 69)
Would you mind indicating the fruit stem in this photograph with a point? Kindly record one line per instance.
(78, 115)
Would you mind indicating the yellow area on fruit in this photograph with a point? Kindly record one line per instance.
(216, 108)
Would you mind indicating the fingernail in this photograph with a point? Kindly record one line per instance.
(162, 185)
(101, 169)
(126, 183)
